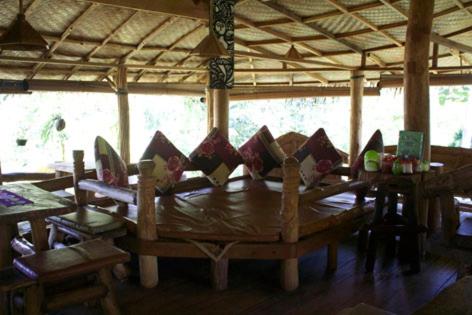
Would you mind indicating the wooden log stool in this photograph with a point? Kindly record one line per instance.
(392, 224)
(54, 271)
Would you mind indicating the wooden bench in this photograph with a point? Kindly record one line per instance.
(10, 281)
(55, 267)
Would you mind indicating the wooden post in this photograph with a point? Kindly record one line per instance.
(210, 110)
(123, 113)
(78, 175)
(1, 180)
(221, 110)
(289, 215)
(219, 274)
(357, 92)
(146, 228)
(416, 75)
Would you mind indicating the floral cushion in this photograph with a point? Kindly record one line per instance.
(169, 162)
(216, 157)
(375, 143)
(110, 167)
(317, 158)
(261, 153)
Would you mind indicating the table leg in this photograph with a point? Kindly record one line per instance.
(40, 234)
(7, 232)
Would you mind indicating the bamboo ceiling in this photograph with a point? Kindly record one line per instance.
(88, 38)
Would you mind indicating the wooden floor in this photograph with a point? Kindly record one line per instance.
(254, 289)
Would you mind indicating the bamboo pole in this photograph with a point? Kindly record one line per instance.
(146, 227)
(210, 109)
(416, 75)
(221, 110)
(123, 113)
(357, 93)
(289, 215)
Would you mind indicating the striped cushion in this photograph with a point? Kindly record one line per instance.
(317, 158)
(261, 153)
(216, 157)
(169, 162)
(110, 167)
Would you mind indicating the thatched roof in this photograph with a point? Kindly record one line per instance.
(88, 38)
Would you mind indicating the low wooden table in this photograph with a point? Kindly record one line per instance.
(44, 204)
(64, 168)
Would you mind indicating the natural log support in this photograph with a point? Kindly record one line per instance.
(221, 110)
(210, 109)
(357, 92)
(123, 113)
(416, 75)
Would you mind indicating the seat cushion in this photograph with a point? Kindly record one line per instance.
(216, 157)
(261, 153)
(75, 260)
(88, 221)
(110, 167)
(169, 162)
(375, 143)
(317, 157)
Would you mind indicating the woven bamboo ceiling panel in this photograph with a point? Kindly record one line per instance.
(88, 38)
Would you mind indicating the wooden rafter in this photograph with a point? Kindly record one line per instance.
(363, 20)
(102, 44)
(463, 7)
(435, 38)
(179, 40)
(299, 20)
(149, 36)
(65, 34)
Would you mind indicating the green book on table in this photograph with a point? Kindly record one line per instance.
(410, 143)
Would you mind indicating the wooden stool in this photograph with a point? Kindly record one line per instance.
(391, 224)
(50, 268)
(11, 280)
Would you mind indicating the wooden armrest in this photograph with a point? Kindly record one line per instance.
(16, 177)
(62, 183)
(342, 171)
(113, 192)
(318, 193)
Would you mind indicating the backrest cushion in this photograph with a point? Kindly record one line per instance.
(169, 162)
(317, 158)
(110, 167)
(375, 143)
(216, 157)
(261, 153)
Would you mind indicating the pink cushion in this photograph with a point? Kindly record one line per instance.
(169, 162)
(261, 153)
(110, 167)
(375, 143)
(317, 158)
(216, 157)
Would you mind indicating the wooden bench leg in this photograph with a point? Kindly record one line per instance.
(4, 303)
(148, 271)
(219, 274)
(289, 274)
(7, 232)
(371, 252)
(332, 257)
(34, 297)
(109, 304)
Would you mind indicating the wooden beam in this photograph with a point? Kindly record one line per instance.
(123, 114)
(366, 22)
(357, 93)
(182, 8)
(463, 8)
(221, 110)
(393, 81)
(416, 75)
(64, 35)
(441, 40)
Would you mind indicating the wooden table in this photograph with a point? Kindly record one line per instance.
(64, 168)
(44, 204)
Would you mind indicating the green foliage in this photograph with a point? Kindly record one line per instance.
(458, 135)
(453, 94)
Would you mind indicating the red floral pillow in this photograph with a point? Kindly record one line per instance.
(169, 162)
(216, 157)
(317, 157)
(110, 167)
(375, 143)
(261, 153)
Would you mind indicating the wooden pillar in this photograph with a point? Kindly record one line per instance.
(289, 215)
(146, 228)
(123, 113)
(1, 180)
(416, 75)
(210, 111)
(79, 174)
(357, 92)
(221, 110)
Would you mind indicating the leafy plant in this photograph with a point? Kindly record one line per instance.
(453, 94)
(52, 130)
(458, 135)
